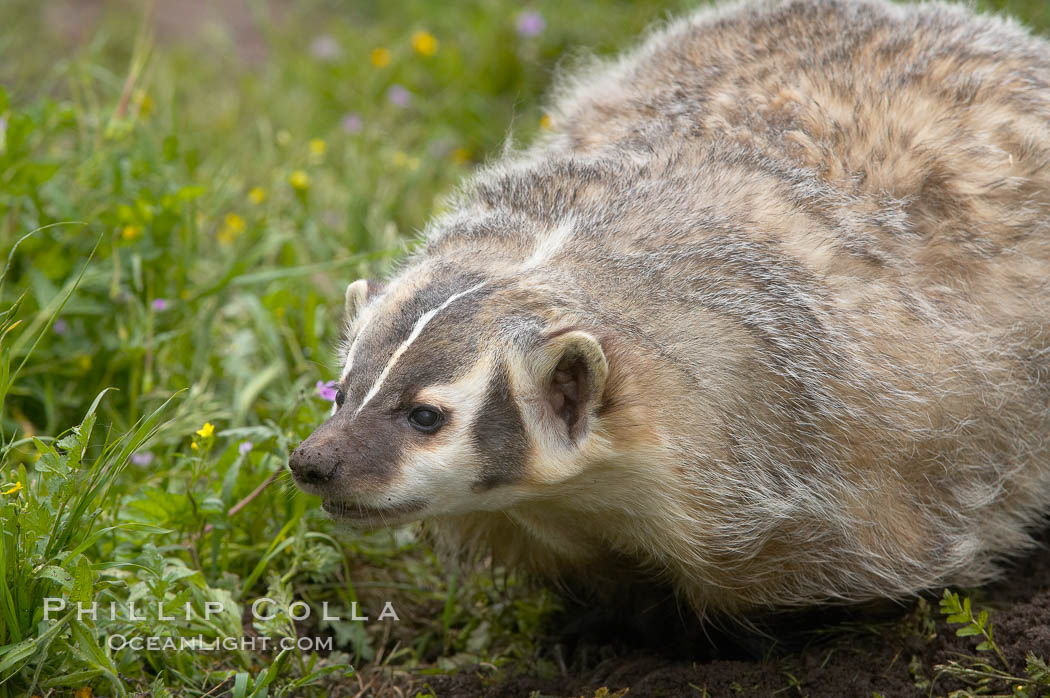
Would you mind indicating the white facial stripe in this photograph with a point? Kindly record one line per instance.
(550, 244)
(350, 352)
(416, 331)
(368, 313)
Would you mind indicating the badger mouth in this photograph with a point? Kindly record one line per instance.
(355, 512)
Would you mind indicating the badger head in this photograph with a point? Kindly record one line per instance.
(458, 395)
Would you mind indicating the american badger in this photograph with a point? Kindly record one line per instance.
(765, 313)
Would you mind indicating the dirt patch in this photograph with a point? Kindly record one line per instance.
(887, 650)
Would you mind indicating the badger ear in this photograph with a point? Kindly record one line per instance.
(571, 370)
(357, 294)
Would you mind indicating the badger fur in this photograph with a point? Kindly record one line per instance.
(766, 313)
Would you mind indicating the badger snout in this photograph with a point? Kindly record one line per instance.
(345, 462)
(312, 464)
(353, 482)
(318, 460)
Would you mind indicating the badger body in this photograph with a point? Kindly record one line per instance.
(765, 313)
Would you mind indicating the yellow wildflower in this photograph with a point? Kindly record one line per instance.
(144, 103)
(234, 222)
(402, 159)
(13, 490)
(318, 147)
(207, 430)
(546, 121)
(460, 155)
(194, 446)
(232, 227)
(257, 195)
(299, 180)
(380, 57)
(424, 43)
(131, 232)
(83, 692)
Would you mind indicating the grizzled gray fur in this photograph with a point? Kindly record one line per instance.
(766, 312)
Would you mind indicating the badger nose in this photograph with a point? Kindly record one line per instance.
(312, 465)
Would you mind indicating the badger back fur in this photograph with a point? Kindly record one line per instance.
(766, 312)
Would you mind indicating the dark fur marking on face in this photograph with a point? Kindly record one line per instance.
(434, 347)
(498, 435)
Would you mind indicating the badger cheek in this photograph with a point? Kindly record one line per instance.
(437, 471)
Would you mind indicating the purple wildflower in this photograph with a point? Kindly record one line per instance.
(142, 458)
(325, 48)
(399, 95)
(440, 148)
(245, 447)
(530, 23)
(159, 304)
(327, 390)
(60, 327)
(353, 123)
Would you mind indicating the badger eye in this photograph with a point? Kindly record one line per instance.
(425, 419)
(339, 397)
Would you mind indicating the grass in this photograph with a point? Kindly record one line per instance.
(178, 220)
(179, 224)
